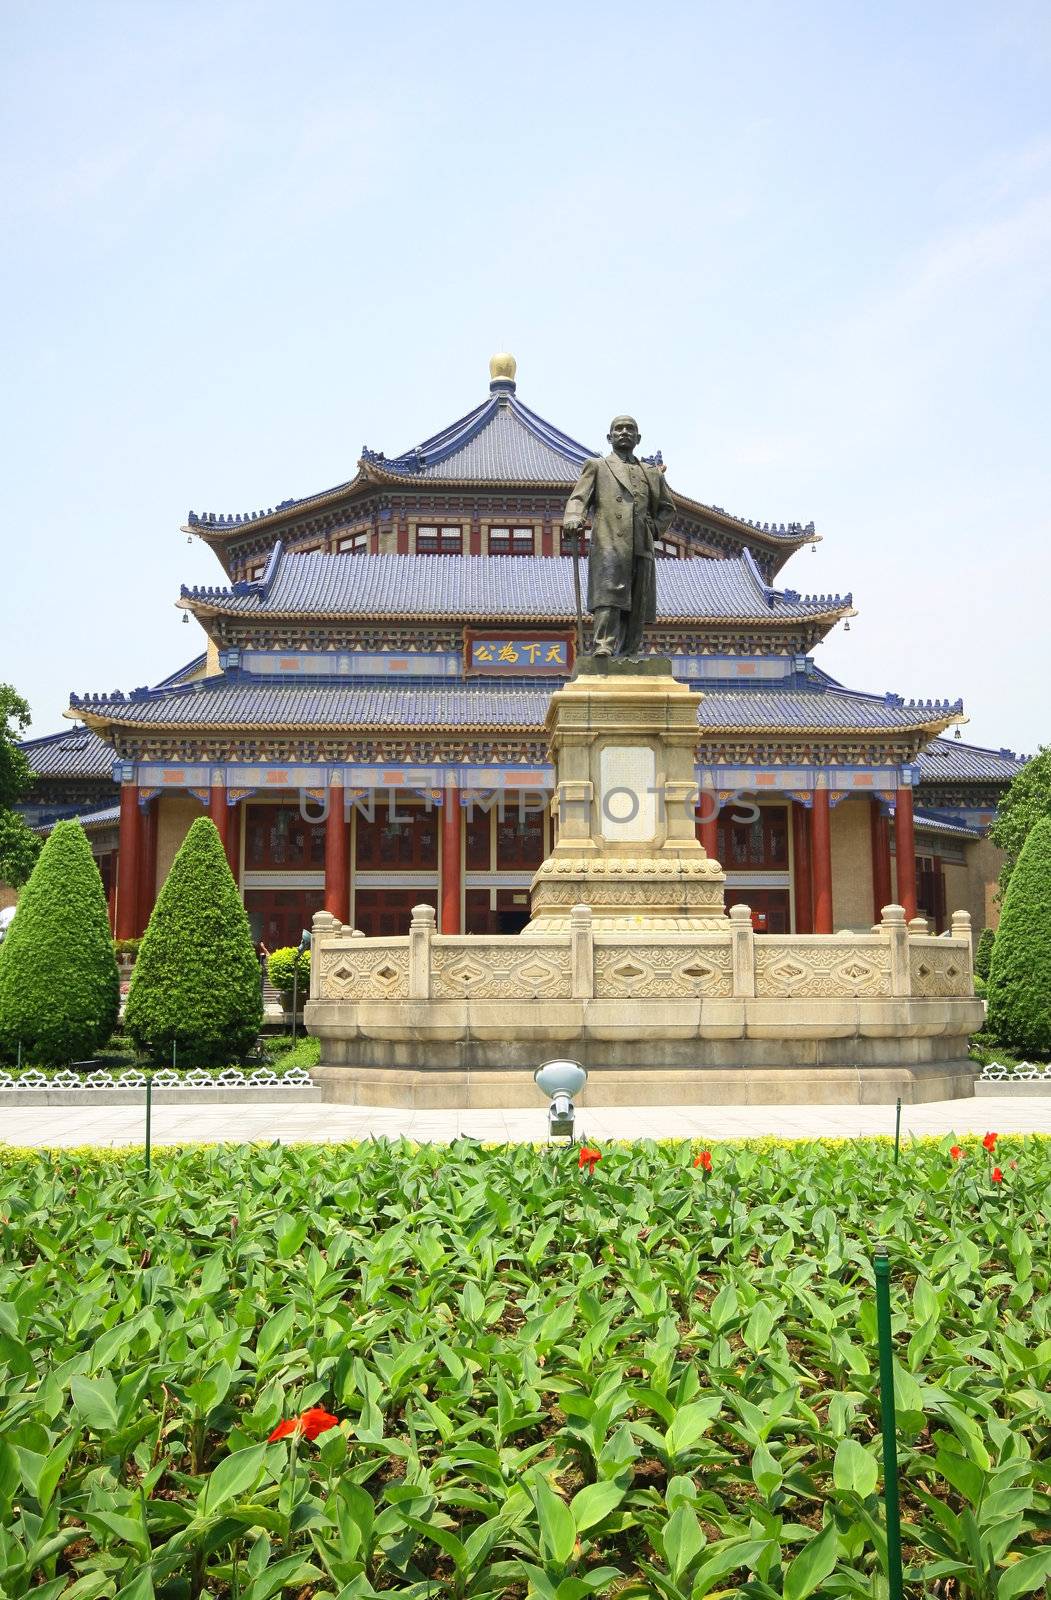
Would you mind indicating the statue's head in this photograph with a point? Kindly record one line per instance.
(624, 433)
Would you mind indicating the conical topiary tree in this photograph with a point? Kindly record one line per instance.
(196, 979)
(983, 954)
(59, 989)
(1020, 972)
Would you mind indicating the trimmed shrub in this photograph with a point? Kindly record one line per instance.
(1020, 974)
(281, 966)
(195, 983)
(983, 954)
(59, 991)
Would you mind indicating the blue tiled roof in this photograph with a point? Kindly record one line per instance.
(89, 820)
(946, 761)
(931, 822)
(500, 441)
(72, 753)
(481, 703)
(485, 588)
(829, 709)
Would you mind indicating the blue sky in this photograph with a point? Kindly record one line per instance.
(808, 245)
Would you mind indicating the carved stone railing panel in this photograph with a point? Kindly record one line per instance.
(807, 967)
(499, 969)
(364, 969)
(938, 969)
(685, 970)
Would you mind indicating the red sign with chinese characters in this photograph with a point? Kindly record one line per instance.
(533, 654)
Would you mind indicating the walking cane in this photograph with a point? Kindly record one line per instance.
(576, 591)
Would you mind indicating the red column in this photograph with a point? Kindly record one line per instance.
(547, 540)
(148, 862)
(821, 850)
(403, 537)
(451, 874)
(474, 537)
(337, 856)
(882, 893)
(128, 862)
(708, 827)
(219, 811)
(905, 851)
(804, 891)
(233, 840)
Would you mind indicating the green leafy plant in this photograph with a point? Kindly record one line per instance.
(984, 952)
(289, 968)
(195, 984)
(541, 1385)
(1019, 987)
(58, 977)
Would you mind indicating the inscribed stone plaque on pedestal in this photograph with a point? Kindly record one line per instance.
(627, 798)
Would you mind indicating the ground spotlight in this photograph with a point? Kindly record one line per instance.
(560, 1081)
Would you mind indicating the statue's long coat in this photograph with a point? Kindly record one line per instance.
(622, 533)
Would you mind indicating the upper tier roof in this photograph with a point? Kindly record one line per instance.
(491, 588)
(500, 443)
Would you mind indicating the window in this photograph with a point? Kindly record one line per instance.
(519, 840)
(479, 834)
(255, 573)
(665, 548)
(762, 843)
(355, 544)
(277, 836)
(400, 838)
(510, 541)
(568, 543)
(438, 541)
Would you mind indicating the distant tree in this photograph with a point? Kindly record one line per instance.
(1019, 989)
(289, 972)
(15, 773)
(59, 992)
(195, 984)
(19, 849)
(1027, 799)
(983, 953)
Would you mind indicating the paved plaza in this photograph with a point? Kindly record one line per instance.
(310, 1123)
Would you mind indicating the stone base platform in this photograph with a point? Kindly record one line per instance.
(494, 1088)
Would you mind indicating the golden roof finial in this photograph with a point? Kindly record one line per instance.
(503, 366)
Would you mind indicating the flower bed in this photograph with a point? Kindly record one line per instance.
(347, 1370)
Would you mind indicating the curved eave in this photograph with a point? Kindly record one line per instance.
(319, 729)
(212, 533)
(779, 730)
(202, 609)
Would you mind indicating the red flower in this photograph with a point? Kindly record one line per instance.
(996, 1175)
(590, 1158)
(990, 1142)
(704, 1160)
(313, 1421)
(956, 1152)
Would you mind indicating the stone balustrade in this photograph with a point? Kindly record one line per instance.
(896, 960)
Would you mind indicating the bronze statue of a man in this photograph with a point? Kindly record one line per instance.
(630, 506)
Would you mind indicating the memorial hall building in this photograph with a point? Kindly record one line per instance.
(364, 719)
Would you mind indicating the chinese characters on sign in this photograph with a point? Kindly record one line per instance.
(524, 653)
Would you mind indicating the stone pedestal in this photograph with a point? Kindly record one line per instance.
(623, 738)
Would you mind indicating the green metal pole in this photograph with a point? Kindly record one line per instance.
(891, 1497)
(149, 1117)
(897, 1130)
